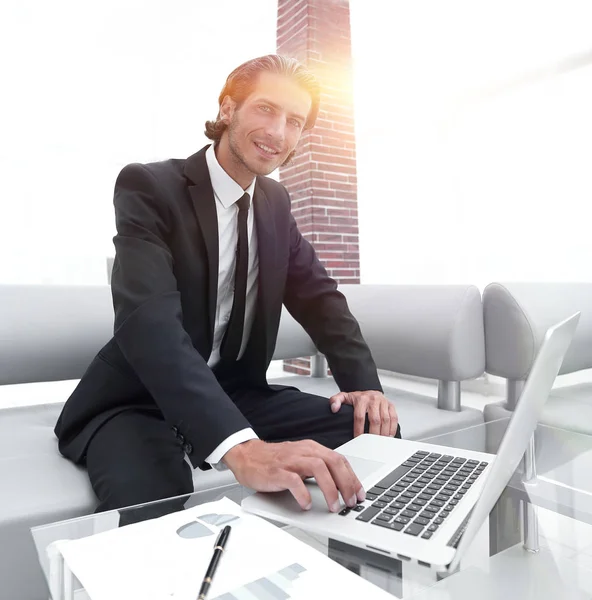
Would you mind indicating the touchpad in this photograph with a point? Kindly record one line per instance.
(364, 468)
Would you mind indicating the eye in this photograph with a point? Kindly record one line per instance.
(296, 123)
(265, 108)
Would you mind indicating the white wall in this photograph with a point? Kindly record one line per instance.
(473, 131)
(473, 126)
(87, 88)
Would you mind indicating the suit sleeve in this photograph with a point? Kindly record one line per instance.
(149, 325)
(313, 299)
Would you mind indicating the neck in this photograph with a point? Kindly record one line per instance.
(232, 165)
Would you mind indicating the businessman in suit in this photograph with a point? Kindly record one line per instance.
(207, 252)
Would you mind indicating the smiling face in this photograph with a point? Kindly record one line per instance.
(264, 129)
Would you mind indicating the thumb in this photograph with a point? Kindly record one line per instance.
(336, 401)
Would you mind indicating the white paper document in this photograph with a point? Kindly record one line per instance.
(166, 559)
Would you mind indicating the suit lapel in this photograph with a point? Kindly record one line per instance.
(204, 205)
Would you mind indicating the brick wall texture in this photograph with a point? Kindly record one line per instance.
(322, 178)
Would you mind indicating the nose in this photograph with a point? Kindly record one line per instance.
(276, 129)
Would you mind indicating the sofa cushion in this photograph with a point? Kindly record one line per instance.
(419, 416)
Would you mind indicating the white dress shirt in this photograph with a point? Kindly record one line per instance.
(227, 192)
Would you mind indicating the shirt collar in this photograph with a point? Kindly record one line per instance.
(226, 189)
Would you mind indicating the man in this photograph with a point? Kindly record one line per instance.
(206, 253)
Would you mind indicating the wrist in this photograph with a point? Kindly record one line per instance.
(236, 455)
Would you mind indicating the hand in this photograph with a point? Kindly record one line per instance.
(381, 413)
(273, 467)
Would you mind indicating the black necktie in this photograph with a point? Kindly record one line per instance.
(231, 342)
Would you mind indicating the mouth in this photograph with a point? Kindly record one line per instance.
(266, 151)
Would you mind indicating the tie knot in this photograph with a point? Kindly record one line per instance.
(243, 202)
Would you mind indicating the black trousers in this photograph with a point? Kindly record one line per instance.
(135, 457)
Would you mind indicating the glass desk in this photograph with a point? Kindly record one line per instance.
(506, 559)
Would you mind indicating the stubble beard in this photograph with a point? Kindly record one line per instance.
(239, 158)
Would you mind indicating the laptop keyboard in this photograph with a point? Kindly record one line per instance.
(417, 497)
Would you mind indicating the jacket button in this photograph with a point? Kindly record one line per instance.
(188, 448)
(175, 430)
(181, 438)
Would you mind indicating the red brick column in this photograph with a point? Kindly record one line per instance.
(322, 179)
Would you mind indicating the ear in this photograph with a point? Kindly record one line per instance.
(227, 109)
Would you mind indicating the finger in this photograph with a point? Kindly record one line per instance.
(317, 468)
(385, 417)
(351, 475)
(291, 481)
(359, 417)
(343, 475)
(394, 419)
(374, 418)
(336, 402)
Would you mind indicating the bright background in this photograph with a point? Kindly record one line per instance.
(473, 124)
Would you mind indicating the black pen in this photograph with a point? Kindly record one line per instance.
(218, 549)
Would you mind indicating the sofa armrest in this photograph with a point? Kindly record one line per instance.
(431, 331)
(516, 317)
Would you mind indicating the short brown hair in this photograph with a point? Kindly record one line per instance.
(241, 82)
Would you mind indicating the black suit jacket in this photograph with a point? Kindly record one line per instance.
(164, 286)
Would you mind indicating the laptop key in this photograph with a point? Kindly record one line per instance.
(438, 520)
(386, 518)
(408, 463)
(414, 507)
(397, 504)
(389, 495)
(368, 514)
(414, 529)
(358, 508)
(433, 527)
(345, 511)
(425, 497)
(371, 496)
(420, 502)
(408, 513)
(421, 453)
(447, 458)
(375, 490)
(426, 514)
(393, 477)
(391, 511)
(380, 504)
(427, 535)
(403, 520)
(422, 521)
(394, 526)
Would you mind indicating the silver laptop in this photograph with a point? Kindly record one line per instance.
(425, 502)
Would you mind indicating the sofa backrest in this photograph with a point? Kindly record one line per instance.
(516, 317)
(431, 331)
(51, 332)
